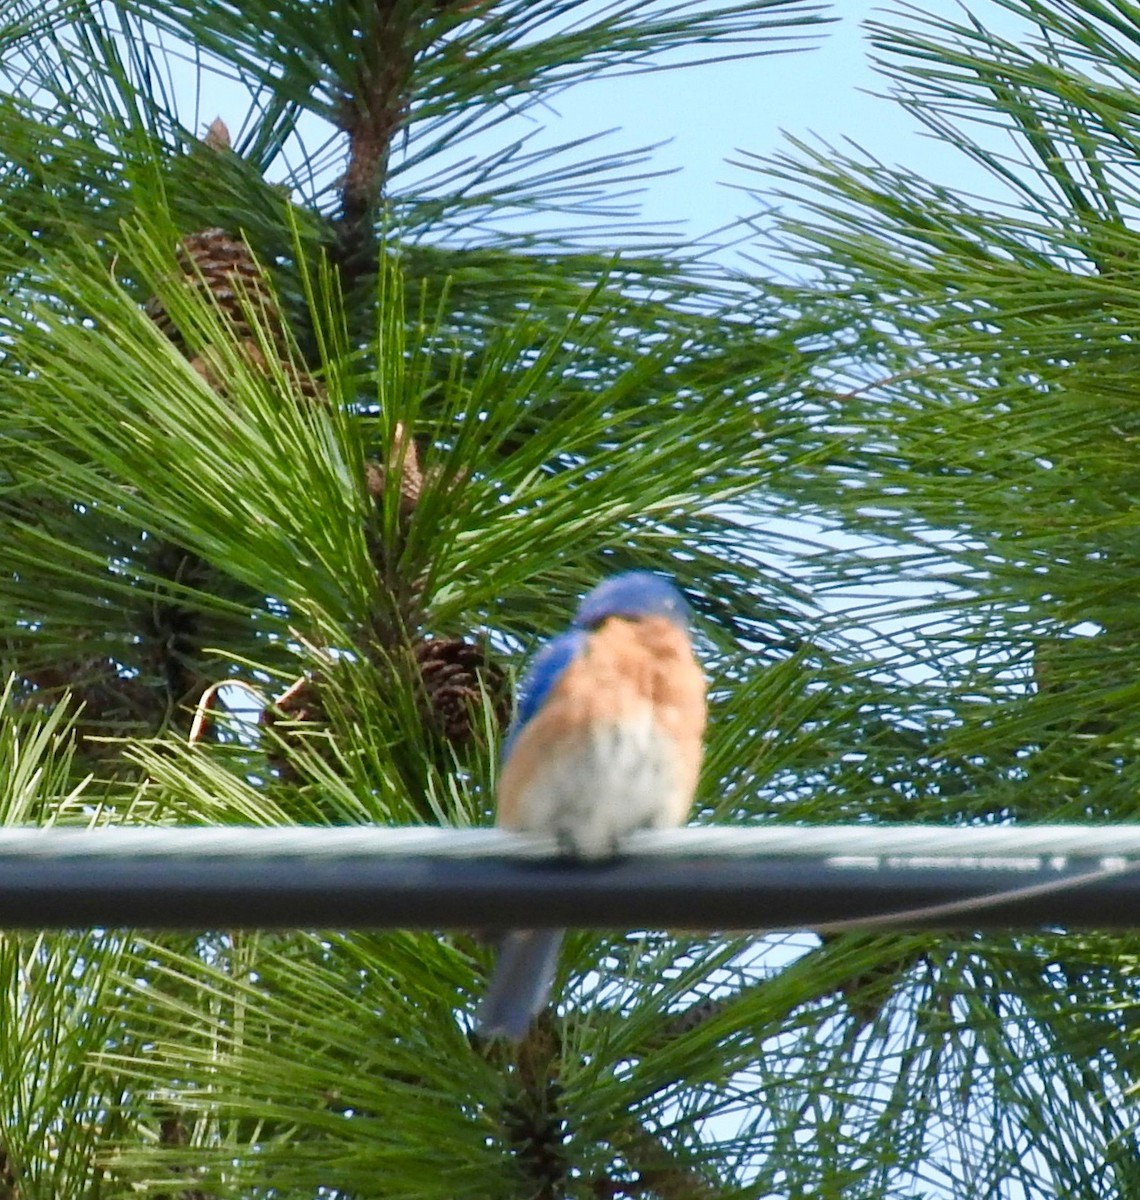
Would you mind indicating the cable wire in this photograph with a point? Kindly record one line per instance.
(762, 877)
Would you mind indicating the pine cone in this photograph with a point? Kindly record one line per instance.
(217, 136)
(298, 705)
(216, 262)
(454, 673)
(404, 458)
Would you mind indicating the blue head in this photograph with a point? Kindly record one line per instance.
(632, 594)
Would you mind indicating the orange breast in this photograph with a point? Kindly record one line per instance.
(618, 740)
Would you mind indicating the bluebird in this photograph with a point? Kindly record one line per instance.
(606, 739)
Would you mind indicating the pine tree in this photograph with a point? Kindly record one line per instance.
(982, 407)
(315, 418)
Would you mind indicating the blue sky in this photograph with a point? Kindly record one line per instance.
(710, 114)
(713, 114)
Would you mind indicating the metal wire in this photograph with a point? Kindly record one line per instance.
(758, 878)
(912, 843)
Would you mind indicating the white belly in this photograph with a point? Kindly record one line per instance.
(590, 794)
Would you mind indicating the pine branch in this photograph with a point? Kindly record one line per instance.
(373, 109)
(533, 1117)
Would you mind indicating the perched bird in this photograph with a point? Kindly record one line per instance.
(606, 739)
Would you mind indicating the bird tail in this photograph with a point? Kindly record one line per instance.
(521, 982)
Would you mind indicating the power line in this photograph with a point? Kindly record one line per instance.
(756, 878)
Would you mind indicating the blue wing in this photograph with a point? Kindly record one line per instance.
(543, 674)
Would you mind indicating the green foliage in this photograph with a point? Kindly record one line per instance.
(897, 494)
(986, 374)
